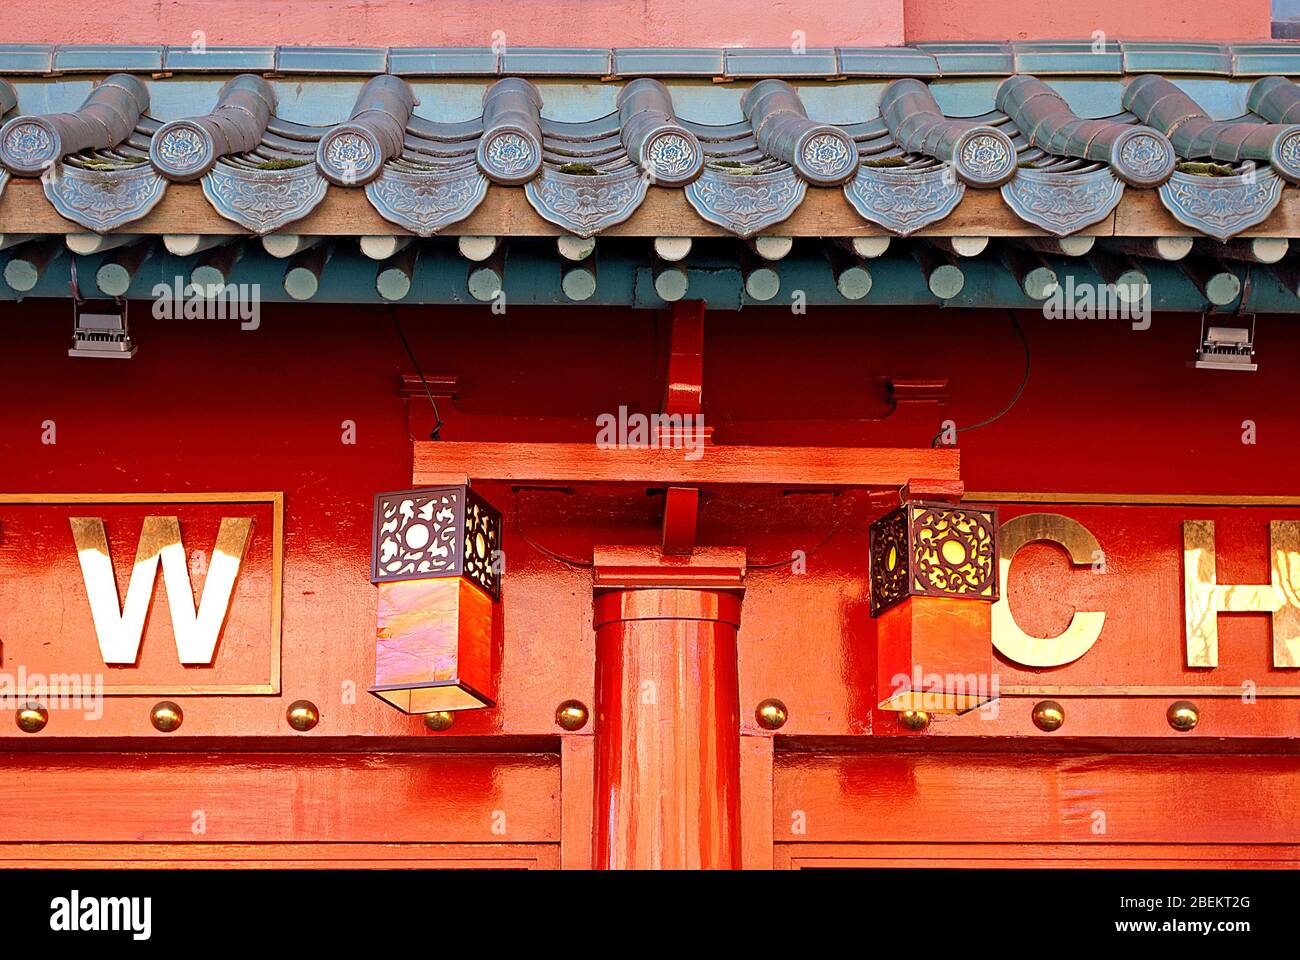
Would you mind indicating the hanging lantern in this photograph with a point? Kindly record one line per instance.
(435, 556)
(934, 578)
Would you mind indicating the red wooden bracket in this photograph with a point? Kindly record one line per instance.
(915, 390)
(681, 511)
(683, 395)
(442, 387)
(685, 383)
(625, 568)
(946, 491)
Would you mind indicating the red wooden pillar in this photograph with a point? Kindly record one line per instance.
(667, 731)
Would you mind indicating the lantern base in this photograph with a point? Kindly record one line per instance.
(434, 645)
(935, 701)
(935, 654)
(419, 698)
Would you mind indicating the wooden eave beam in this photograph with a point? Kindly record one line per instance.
(786, 467)
(505, 212)
(626, 568)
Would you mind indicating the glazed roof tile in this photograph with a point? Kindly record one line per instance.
(947, 59)
(902, 164)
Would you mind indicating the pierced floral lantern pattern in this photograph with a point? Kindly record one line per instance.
(436, 558)
(934, 578)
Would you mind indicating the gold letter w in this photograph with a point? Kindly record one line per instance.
(120, 629)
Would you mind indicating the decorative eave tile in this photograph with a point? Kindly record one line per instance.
(425, 203)
(746, 204)
(1063, 203)
(556, 62)
(759, 63)
(444, 61)
(26, 58)
(102, 58)
(586, 205)
(354, 61)
(971, 59)
(1265, 59)
(1156, 57)
(1057, 57)
(669, 62)
(187, 59)
(1222, 207)
(903, 201)
(886, 62)
(264, 201)
(102, 200)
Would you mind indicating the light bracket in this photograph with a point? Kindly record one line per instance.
(1227, 347)
(100, 330)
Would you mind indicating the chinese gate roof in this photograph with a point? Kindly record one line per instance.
(1045, 141)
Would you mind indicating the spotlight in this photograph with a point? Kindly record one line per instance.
(1227, 348)
(100, 330)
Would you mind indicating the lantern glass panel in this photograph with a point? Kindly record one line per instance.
(435, 561)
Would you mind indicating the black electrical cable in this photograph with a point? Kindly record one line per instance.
(392, 312)
(437, 418)
(1020, 335)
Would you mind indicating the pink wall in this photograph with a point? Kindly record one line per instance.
(608, 23)
(566, 23)
(1118, 19)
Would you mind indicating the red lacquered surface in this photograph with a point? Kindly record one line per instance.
(1034, 798)
(278, 798)
(202, 408)
(667, 730)
(934, 653)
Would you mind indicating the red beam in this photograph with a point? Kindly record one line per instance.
(684, 395)
(569, 463)
(685, 389)
(629, 568)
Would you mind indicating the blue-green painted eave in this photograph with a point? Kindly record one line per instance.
(533, 272)
(975, 59)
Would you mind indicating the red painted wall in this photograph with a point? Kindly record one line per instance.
(204, 406)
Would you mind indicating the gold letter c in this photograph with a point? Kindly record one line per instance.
(1085, 626)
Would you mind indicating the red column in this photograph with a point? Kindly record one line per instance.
(667, 729)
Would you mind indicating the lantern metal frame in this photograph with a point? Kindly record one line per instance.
(927, 548)
(456, 515)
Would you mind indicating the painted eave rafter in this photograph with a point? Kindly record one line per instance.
(951, 142)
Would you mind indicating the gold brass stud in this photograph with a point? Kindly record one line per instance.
(1183, 715)
(771, 714)
(439, 720)
(166, 716)
(302, 715)
(571, 715)
(32, 718)
(914, 719)
(1048, 715)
